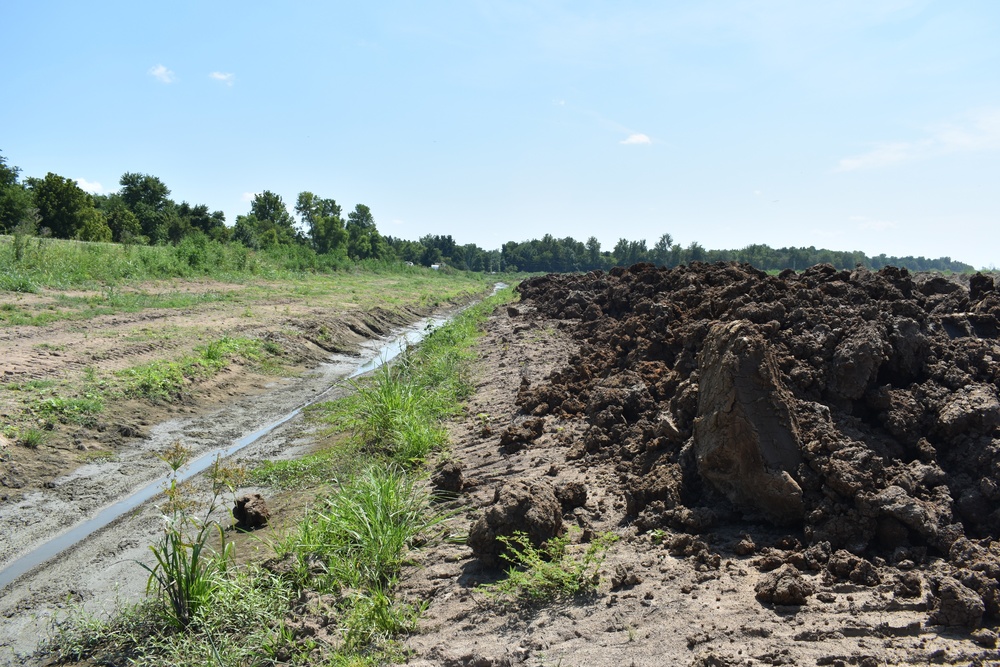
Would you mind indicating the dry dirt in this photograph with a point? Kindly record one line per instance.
(802, 470)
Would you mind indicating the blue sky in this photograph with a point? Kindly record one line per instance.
(871, 125)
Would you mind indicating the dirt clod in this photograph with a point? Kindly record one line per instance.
(784, 586)
(250, 512)
(519, 506)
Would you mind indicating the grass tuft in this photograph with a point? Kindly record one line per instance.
(549, 572)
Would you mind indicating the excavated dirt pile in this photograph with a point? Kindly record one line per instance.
(858, 411)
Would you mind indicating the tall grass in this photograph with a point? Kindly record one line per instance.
(28, 263)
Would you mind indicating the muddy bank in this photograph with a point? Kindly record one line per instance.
(102, 573)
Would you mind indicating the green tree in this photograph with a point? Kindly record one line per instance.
(15, 199)
(275, 224)
(661, 250)
(124, 225)
(321, 218)
(149, 200)
(93, 226)
(363, 239)
(63, 207)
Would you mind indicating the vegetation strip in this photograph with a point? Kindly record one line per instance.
(339, 565)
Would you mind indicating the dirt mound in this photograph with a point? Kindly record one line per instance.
(860, 409)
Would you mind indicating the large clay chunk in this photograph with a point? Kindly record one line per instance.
(519, 506)
(745, 436)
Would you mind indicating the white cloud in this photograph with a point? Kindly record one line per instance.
(248, 196)
(226, 78)
(93, 187)
(162, 74)
(633, 139)
(978, 131)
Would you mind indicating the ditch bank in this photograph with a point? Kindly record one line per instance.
(55, 558)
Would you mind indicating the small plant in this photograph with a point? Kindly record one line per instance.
(365, 528)
(186, 572)
(32, 438)
(72, 410)
(549, 572)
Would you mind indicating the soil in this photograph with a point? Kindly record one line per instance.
(802, 469)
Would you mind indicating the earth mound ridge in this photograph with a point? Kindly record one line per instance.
(859, 409)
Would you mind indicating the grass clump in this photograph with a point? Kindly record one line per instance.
(364, 527)
(68, 410)
(32, 438)
(164, 379)
(549, 572)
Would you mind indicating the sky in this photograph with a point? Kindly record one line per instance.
(869, 125)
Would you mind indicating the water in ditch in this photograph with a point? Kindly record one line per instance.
(52, 548)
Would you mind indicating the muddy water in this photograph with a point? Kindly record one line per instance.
(383, 354)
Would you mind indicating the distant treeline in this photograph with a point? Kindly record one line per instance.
(566, 255)
(142, 212)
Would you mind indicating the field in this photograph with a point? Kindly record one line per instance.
(700, 466)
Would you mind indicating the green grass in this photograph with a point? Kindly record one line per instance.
(165, 379)
(308, 471)
(69, 410)
(363, 528)
(549, 572)
(397, 411)
(32, 438)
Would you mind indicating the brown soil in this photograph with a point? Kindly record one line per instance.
(803, 469)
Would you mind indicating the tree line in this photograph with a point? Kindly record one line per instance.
(142, 212)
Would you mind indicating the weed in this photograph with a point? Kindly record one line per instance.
(72, 410)
(32, 438)
(364, 528)
(187, 572)
(549, 572)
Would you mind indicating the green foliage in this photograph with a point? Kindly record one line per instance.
(71, 410)
(32, 438)
(15, 200)
(549, 572)
(163, 379)
(186, 570)
(65, 209)
(362, 531)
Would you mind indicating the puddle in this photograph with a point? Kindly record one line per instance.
(375, 356)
